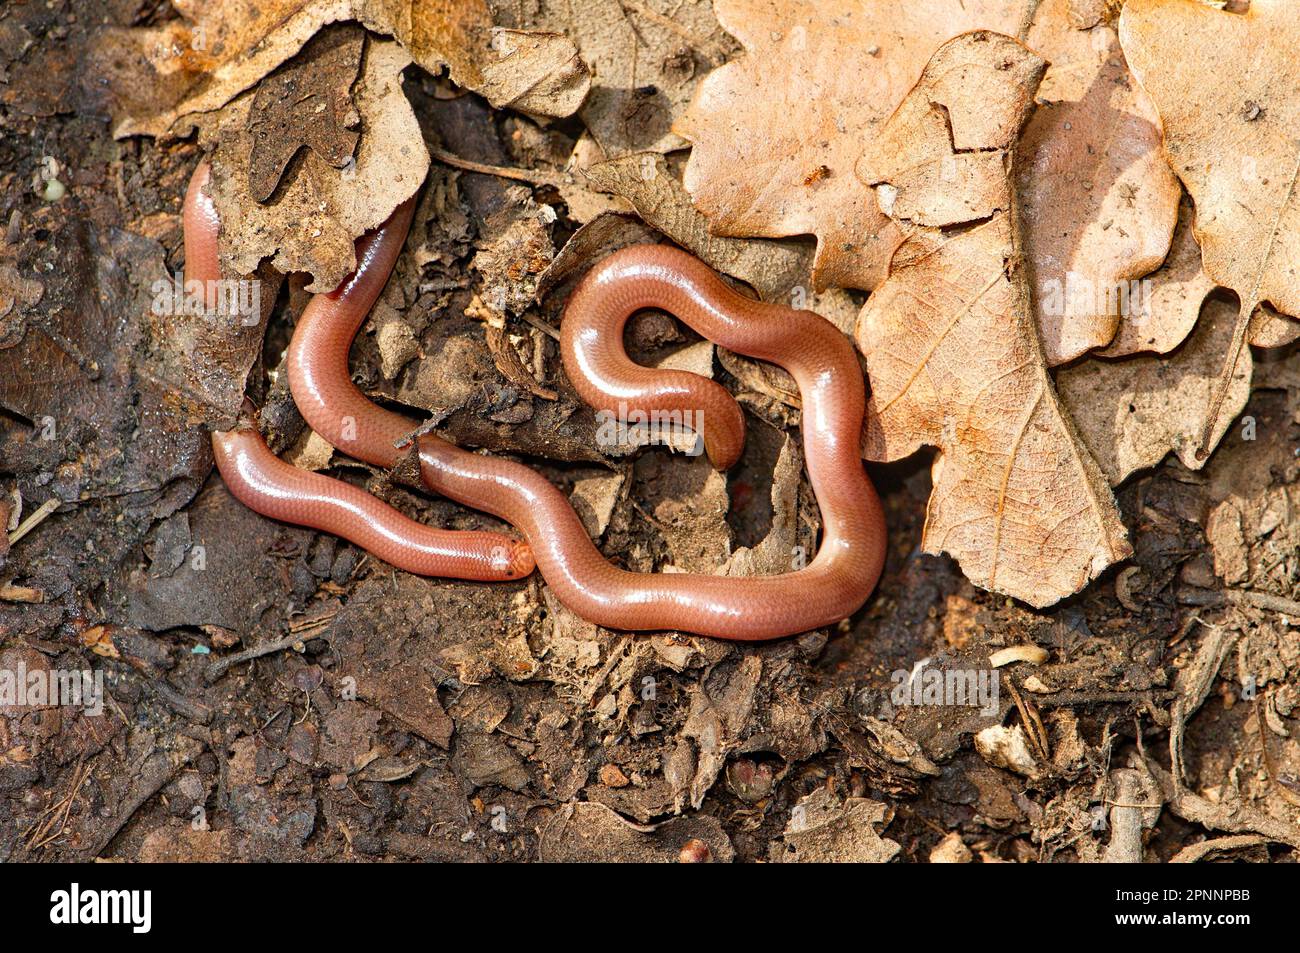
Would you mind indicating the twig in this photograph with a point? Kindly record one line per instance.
(35, 519)
(1034, 728)
(1283, 785)
(1190, 855)
(1241, 597)
(50, 830)
(194, 711)
(10, 593)
(1195, 683)
(306, 625)
(500, 171)
(1127, 818)
(1263, 600)
(1067, 699)
(541, 325)
(219, 667)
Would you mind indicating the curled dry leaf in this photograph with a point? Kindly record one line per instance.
(603, 235)
(207, 357)
(1132, 412)
(772, 269)
(646, 57)
(951, 347)
(1098, 202)
(822, 830)
(218, 50)
(1228, 95)
(508, 361)
(536, 73)
(776, 132)
(318, 209)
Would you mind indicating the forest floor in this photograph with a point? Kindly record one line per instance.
(272, 693)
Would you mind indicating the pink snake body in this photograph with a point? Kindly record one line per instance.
(834, 585)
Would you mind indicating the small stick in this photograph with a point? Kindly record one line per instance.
(10, 593)
(1034, 729)
(501, 171)
(1264, 600)
(1243, 597)
(35, 519)
(195, 711)
(221, 666)
(47, 832)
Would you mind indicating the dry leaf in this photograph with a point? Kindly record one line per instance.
(318, 210)
(539, 73)
(777, 132)
(512, 258)
(775, 553)
(822, 830)
(1270, 329)
(511, 365)
(1228, 93)
(772, 269)
(1098, 202)
(603, 235)
(99, 639)
(1132, 412)
(646, 57)
(594, 499)
(952, 351)
(17, 293)
(1227, 539)
(1278, 370)
(1164, 308)
(306, 103)
(219, 50)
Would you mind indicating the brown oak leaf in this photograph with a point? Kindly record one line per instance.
(306, 103)
(1098, 202)
(1271, 329)
(1161, 309)
(318, 210)
(952, 351)
(1228, 93)
(770, 268)
(1131, 413)
(165, 75)
(776, 133)
(250, 75)
(646, 58)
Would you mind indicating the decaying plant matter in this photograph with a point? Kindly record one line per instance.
(1060, 245)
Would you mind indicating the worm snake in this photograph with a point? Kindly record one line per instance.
(265, 483)
(820, 358)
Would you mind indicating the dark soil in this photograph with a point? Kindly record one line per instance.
(275, 694)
